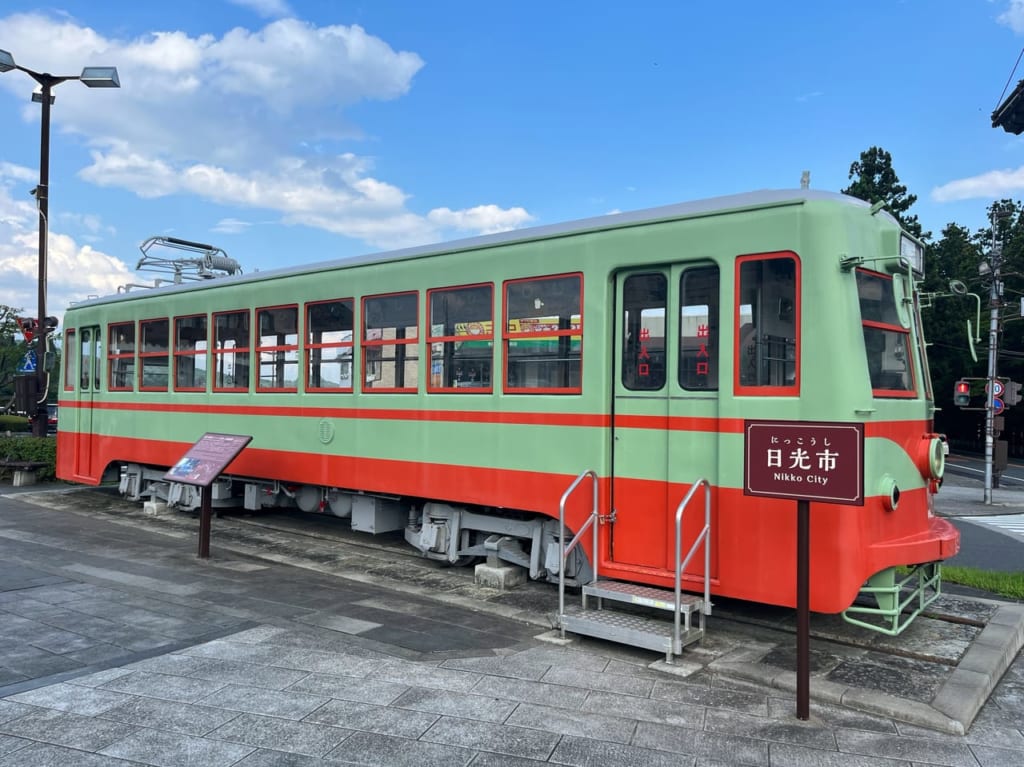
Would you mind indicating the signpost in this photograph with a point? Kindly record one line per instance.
(200, 466)
(804, 461)
(28, 362)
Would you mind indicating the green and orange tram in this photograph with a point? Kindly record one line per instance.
(454, 391)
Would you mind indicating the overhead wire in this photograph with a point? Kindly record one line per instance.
(1010, 78)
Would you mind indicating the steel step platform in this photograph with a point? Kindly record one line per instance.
(643, 596)
(629, 629)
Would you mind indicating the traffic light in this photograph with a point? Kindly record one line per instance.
(50, 324)
(1012, 395)
(962, 393)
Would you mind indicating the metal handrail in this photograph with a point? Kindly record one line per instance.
(565, 551)
(703, 537)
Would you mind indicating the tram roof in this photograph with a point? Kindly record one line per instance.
(765, 198)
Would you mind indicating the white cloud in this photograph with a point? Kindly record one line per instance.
(231, 226)
(266, 8)
(74, 271)
(1013, 17)
(253, 119)
(993, 184)
(17, 172)
(486, 219)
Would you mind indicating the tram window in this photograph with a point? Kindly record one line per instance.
(766, 324)
(461, 339)
(391, 343)
(698, 329)
(278, 348)
(70, 360)
(644, 298)
(190, 347)
(154, 349)
(543, 335)
(121, 356)
(886, 341)
(97, 360)
(329, 326)
(231, 351)
(86, 357)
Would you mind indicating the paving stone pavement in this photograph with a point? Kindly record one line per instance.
(297, 646)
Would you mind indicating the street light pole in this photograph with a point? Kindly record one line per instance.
(990, 390)
(995, 296)
(92, 77)
(40, 424)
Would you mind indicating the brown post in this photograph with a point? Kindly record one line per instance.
(803, 612)
(205, 516)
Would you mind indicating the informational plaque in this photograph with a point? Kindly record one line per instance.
(207, 458)
(200, 466)
(804, 460)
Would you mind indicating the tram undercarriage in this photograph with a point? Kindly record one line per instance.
(442, 532)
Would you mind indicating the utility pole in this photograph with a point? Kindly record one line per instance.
(995, 296)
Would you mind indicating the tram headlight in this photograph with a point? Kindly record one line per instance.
(890, 493)
(932, 459)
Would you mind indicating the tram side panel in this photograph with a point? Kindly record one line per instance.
(504, 453)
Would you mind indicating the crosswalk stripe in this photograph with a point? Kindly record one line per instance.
(1013, 524)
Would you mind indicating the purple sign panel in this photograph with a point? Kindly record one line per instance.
(804, 460)
(207, 458)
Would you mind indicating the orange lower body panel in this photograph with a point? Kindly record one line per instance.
(753, 540)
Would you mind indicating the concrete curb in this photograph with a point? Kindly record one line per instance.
(954, 706)
(982, 666)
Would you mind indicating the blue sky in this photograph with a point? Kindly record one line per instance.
(289, 132)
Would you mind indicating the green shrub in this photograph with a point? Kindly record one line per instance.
(14, 423)
(35, 449)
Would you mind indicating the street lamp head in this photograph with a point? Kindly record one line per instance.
(958, 287)
(100, 77)
(6, 61)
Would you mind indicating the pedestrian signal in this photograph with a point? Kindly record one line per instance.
(962, 393)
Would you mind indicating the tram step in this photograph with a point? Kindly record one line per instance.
(645, 596)
(628, 629)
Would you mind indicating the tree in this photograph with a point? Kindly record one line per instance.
(11, 352)
(954, 257)
(876, 181)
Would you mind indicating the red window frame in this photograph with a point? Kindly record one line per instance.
(366, 344)
(218, 353)
(114, 358)
(747, 390)
(907, 334)
(181, 354)
(311, 347)
(277, 349)
(71, 352)
(165, 354)
(484, 335)
(508, 336)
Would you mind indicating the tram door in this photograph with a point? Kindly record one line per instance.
(88, 366)
(666, 408)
